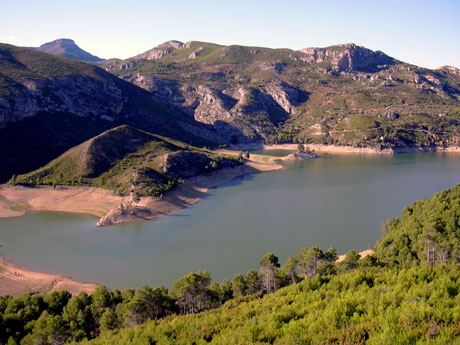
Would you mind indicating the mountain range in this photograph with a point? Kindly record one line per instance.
(344, 94)
(207, 94)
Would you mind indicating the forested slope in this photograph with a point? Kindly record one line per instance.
(406, 293)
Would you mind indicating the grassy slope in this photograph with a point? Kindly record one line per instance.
(333, 97)
(124, 159)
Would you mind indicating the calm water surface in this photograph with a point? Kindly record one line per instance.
(338, 200)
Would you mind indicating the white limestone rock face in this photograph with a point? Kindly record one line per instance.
(159, 51)
(347, 58)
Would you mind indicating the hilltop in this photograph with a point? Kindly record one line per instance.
(128, 161)
(67, 48)
(342, 94)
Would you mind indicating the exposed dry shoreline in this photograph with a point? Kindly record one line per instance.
(15, 280)
(113, 209)
(362, 255)
(17, 201)
(350, 149)
(186, 194)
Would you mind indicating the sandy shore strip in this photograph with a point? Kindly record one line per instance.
(362, 255)
(366, 150)
(15, 280)
(329, 148)
(16, 201)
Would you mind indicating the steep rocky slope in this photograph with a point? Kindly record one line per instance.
(342, 94)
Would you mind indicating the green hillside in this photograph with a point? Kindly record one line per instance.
(428, 232)
(399, 295)
(50, 103)
(127, 160)
(366, 306)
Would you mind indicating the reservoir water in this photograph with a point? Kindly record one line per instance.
(338, 200)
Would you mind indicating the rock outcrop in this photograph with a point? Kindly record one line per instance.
(160, 51)
(79, 95)
(348, 58)
(244, 113)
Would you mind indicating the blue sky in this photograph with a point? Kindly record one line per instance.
(425, 33)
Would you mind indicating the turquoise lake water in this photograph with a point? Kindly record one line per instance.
(338, 200)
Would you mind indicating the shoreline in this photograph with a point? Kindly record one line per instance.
(347, 149)
(16, 280)
(17, 201)
(188, 193)
(362, 255)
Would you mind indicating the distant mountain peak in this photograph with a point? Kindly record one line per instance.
(68, 48)
(172, 43)
(59, 41)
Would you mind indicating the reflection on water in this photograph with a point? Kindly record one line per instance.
(338, 200)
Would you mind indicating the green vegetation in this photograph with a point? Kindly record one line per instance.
(427, 233)
(374, 306)
(127, 160)
(18, 63)
(408, 292)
